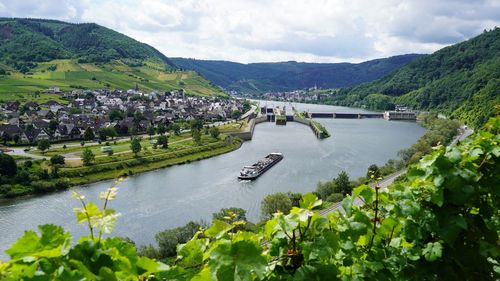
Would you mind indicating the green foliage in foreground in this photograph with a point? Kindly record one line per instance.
(440, 224)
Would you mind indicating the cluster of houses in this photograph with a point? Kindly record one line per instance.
(97, 109)
(306, 96)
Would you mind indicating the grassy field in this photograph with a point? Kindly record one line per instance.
(69, 74)
(111, 167)
(119, 147)
(232, 127)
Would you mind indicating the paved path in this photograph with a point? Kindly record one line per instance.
(388, 180)
(19, 151)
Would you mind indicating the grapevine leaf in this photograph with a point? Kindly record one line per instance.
(309, 201)
(53, 242)
(302, 214)
(432, 251)
(239, 259)
(317, 272)
(191, 253)
(203, 275)
(454, 155)
(107, 274)
(147, 264)
(90, 211)
(218, 229)
(270, 228)
(438, 180)
(347, 205)
(364, 191)
(288, 223)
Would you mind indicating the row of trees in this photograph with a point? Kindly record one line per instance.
(31, 176)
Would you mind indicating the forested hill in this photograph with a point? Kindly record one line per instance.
(461, 81)
(283, 76)
(27, 41)
(36, 54)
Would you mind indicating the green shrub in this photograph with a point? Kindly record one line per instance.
(335, 197)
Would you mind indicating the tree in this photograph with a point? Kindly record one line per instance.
(6, 138)
(335, 197)
(273, 203)
(43, 145)
(214, 132)
(56, 161)
(196, 124)
(230, 215)
(102, 134)
(8, 166)
(325, 189)
(151, 131)
(295, 198)
(116, 114)
(373, 172)
(235, 216)
(89, 134)
(87, 157)
(246, 106)
(168, 239)
(176, 129)
(342, 183)
(236, 114)
(161, 129)
(135, 146)
(53, 126)
(132, 131)
(138, 117)
(111, 132)
(163, 141)
(75, 110)
(196, 136)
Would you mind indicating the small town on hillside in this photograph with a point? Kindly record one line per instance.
(108, 112)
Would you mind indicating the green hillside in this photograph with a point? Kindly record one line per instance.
(38, 54)
(461, 81)
(286, 76)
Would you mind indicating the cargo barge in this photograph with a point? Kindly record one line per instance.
(257, 169)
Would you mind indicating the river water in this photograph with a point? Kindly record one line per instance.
(166, 198)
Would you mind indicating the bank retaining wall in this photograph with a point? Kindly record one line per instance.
(317, 132)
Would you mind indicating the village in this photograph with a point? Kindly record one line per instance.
(310, 95)
(98, 114)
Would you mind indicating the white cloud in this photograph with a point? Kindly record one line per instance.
(56, 9)
(260, 30)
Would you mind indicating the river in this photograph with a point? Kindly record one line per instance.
(166, 198)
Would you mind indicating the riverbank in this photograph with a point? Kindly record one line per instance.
(40, 177)
(92, 174)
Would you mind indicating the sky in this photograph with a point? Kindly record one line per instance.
(278, 30)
